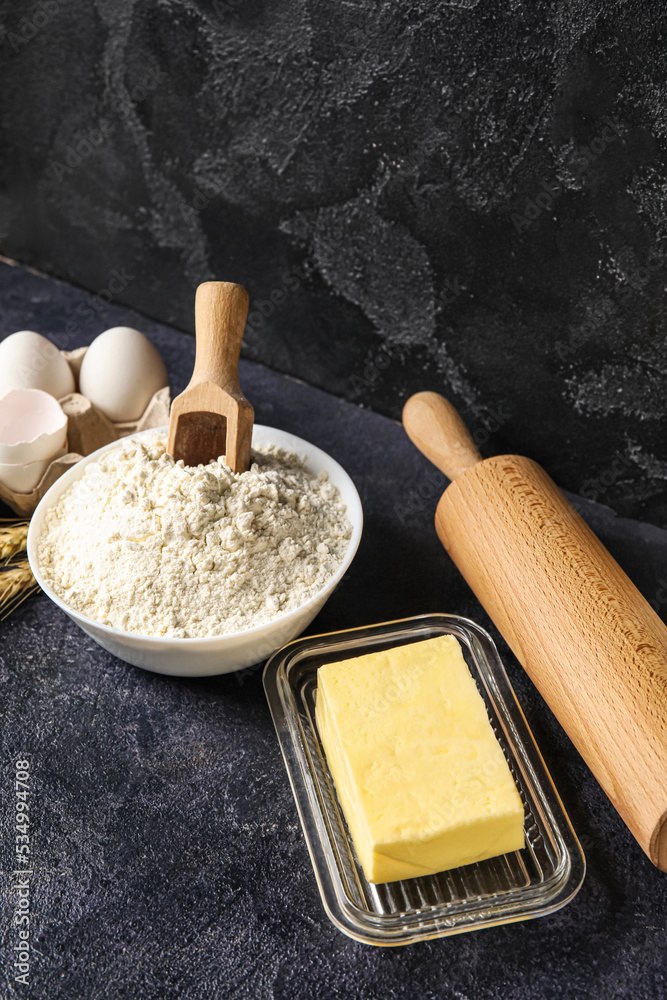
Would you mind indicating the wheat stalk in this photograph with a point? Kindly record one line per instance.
(16, 579)
(16, 584)
(13, 539)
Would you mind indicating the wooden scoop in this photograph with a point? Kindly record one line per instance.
(212, 417)
(590, 642)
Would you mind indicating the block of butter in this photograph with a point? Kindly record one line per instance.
(417, 768)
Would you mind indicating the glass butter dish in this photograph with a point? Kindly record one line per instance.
(533, 882)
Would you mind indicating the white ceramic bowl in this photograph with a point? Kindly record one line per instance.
(219, 654)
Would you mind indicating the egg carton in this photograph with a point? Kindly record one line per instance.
(87, 430)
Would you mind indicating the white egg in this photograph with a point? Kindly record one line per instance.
(30, 361)
(120, 373)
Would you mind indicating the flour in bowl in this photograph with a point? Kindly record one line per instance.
(148, 545)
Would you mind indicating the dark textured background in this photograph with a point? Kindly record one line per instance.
(422, 165)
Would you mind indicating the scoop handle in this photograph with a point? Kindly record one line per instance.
(435, 427)
(221, 308)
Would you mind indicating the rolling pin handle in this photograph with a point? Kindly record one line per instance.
(435, 427)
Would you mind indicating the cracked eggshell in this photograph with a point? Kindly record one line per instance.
(30, 361)
(120, 373)
(24, 478)
(33, 427)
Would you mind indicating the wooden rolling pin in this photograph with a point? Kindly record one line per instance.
(592, 645)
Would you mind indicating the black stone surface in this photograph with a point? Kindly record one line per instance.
(168, 857)
(477, 189)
